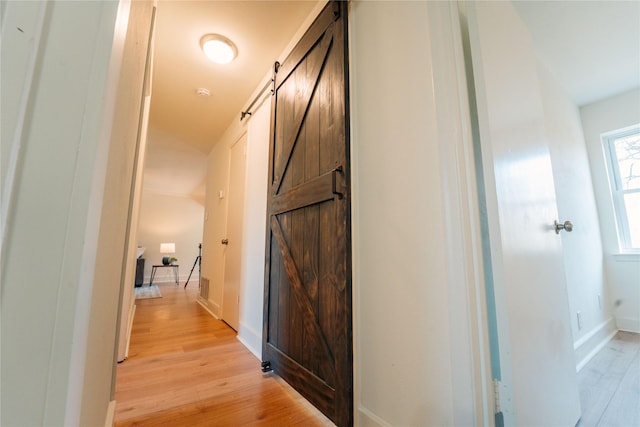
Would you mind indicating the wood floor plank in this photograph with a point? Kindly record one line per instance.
(186, 368)
(610, 384)
(624, 408)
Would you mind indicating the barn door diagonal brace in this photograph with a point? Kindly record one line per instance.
(299, 119)
(310, 320)
(317, 190)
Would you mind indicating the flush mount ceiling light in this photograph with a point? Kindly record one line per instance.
(218, 48)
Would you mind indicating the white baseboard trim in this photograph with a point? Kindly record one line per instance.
(628, 324)
(250, 339)
(366, 418)
(111, 414)
(211, 308)
(588, 346)
(167, 278)
(610, 323)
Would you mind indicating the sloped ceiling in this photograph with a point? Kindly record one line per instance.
(174, 168)
(591, 47)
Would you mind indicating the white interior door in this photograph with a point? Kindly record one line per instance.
(233, 251)
(533, 352)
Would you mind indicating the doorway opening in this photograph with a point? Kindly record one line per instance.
(222, 178)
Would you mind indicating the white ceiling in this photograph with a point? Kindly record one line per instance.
(260, 29)
(182, 126)
(591, 47)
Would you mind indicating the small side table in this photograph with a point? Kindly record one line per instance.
(156, 267)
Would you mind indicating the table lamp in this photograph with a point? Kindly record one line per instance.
(167, 248)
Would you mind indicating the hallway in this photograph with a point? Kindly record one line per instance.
(185, 368)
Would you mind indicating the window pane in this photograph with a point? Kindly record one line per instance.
(628, 155)
(632, 205)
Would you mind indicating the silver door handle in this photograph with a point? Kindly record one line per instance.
(225, 241)
(566, 226)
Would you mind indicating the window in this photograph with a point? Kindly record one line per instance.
(622, 150)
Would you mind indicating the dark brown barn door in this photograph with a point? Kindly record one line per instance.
(307, 337)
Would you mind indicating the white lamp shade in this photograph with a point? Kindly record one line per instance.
(167, 248)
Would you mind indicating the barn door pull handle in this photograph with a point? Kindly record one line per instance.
(225, 241)
(566, 226)
(334, 184)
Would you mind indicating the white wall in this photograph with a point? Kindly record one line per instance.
(18, 65)
(174, 167)
(623, 271)
(170, 219)
(416, 315)
(589, 293)
(113, 255)
(44, 244)
(253, 245)
(255, 206)
(59, 287)
(215, 218)
(127, 308)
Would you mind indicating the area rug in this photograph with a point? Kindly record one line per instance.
(144, 292)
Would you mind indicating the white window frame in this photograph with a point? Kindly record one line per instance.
(615, 186)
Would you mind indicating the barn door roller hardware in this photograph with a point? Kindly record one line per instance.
(248, 111)
(336, 188)
(266, 366)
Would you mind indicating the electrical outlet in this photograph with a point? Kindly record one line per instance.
(599, 301)
(579, 316)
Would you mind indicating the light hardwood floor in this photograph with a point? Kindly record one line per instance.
(610, 384)
(186, 368)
